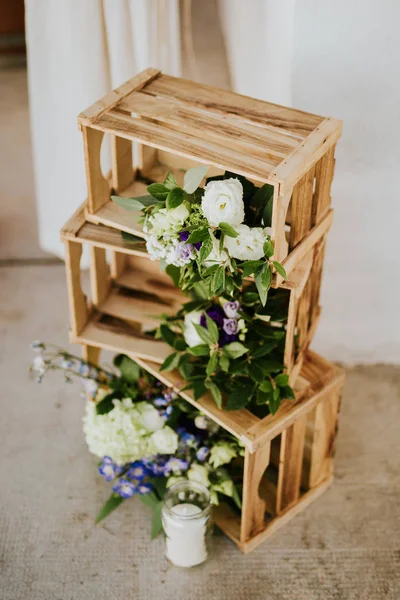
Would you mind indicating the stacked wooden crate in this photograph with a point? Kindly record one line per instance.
(157, 123)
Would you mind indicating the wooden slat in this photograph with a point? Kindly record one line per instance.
(323, 445)
(110, 100)
(117, 264)
(73, 225)
(316, 278)
(97, 185)
(185, 145)
(290, 464)
(78, 309)
(322, 195)
(305, 155)
(294, 122)
(90, 354)
(137, 278)
(302, 201)
(107, 237)
(240, 135)
(303, 314)
(122, 163)
(237, 422)
(253, 507)
(228, 521)
(99, 275)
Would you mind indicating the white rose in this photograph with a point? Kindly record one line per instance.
(198, 473)
(148, 417)
(223, 202)
(178, 215)
(164, 441)
(190, 334)
(215, 256)
(248, 245)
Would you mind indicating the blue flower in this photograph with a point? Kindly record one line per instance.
(187, 438)
(176, 466)
(137, 471)
(144, 488)
(165, 414)
(124, 488)
(83, 368)
(160, 402)
(109, 469)
(202, 453)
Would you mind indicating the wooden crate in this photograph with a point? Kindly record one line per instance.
(129, 294)
(288, 459)
(176, 124)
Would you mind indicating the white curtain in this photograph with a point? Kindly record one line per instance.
(77, 51)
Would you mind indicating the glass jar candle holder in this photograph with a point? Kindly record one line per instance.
(186, 522)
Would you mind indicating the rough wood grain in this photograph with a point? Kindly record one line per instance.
(290, 464)
(78, 308)
(253, 507)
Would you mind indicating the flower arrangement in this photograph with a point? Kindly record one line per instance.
(232, 347)
(216, 235)
(146, 436)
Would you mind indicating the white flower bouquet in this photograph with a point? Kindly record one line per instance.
(216, 235)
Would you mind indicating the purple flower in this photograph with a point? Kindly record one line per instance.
(165, 414)
(184, 235)
(155, 465)
(216, 314)
(160, 402)
(144, 488)
(230, 326)
(184, 251)
(225, 339)
(202, 453)
(124, 488)
(137, 471)
(187, 438)
(231, 309)
(109, 469)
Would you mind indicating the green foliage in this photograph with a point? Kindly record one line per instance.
(175, 198)
(110, 505)
(129, 370)
(279, 269)
(228, 230)
(193, 178)
(159, 191)
(171, 362)
(133, 204)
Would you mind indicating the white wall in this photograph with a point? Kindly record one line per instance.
(346, 64)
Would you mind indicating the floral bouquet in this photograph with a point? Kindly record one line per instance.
(146, 436)
(233, 348)
(216, 235)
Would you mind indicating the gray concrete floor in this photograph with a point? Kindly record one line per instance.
(344, 546)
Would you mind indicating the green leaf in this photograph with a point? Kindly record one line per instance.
(129, 238)
(267, 212)
(156, 524)
(171, 362)
(288, 393)
(250, 298)
(263, 294)
(106, 404)
(204, 334)
(238, 399)
(151, 499)
(263, 397)
(256, 373)
(268, 248)
(170, 181)
(260, 201)
(185, 369)
(180, 345)
(228, 230)
(215, 393)
(236, 497)
(129, 369)
(266, 277)
(224, 362)
(132, 204)
(235, 350)
(267, 386)
(158, 191)
(108, 507)
(280, 269)
(275, 400)
(212, 328)
(168, 335)
(174, 272)
(270, 365)
(205, 250)
(175, 198)
(193, 178)
(251, 266)
(282, 380)
(200, 350)
(212, 364)
(263, 350)
(218, 280)
(199, 389)
(198, 235)
(265, 318)
(263, 282)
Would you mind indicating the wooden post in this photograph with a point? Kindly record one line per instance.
(290, 464)
(98, 186)
(253, 507)
(99, 275)
(122, 163)
(78, 308)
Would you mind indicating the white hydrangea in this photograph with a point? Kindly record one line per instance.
(223, 202)
(164, 441)
(165, 220)
(190, 334)
(125, 433)
(199, 473)
(249, 243)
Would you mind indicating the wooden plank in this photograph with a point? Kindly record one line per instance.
(137, 278)
(301, 205)
(279, 211)
(73, 225)
(99, 275)
(316, 278)
(97, 184)
(240, 135)
(275, 524)
(288, 357)
(294, 122)
(203, 151)
(253, 507)
(117, 264)
(91, 354)
(290, 464)
(303, 314)
(307, 243)
(107, 237)
(323, 445)
(305, 155)
(112, 98)
(237, 422)
(324, 175)
(227, 520)
(122, 163)
(78, 308)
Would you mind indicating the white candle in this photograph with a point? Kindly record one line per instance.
(185, 534)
